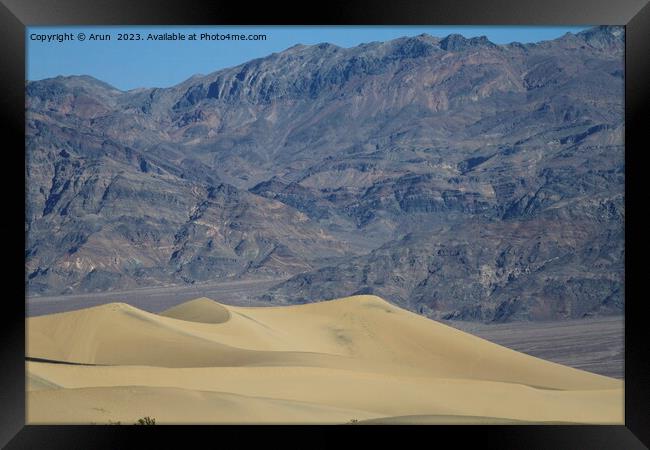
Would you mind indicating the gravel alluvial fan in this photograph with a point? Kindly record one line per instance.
(454, 177)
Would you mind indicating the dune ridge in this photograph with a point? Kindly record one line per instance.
(358, 356)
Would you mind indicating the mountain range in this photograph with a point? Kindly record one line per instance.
(454, 177)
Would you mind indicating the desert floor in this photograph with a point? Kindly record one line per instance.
(347, 360)
(594, 344)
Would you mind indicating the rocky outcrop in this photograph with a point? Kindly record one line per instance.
(453, 176)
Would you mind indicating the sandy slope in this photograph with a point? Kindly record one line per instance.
(330, 362)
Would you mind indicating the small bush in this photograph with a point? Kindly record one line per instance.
(146, 421)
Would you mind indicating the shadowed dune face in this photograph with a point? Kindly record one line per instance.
(357, 355)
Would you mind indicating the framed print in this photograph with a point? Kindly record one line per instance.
(405, 217)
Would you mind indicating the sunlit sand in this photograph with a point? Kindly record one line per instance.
(356, 359)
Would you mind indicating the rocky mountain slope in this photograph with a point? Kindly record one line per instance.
(452, 176)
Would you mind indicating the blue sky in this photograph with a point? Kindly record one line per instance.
(132, 64)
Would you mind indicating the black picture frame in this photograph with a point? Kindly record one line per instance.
(15, 15)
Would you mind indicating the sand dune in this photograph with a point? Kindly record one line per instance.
(125, 403)
(354, 358)
(201, 310)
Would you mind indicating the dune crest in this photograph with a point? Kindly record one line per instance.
(357, 354)
(201, 310)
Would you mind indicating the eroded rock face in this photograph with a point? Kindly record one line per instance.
(455, 177)
(540, 269)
